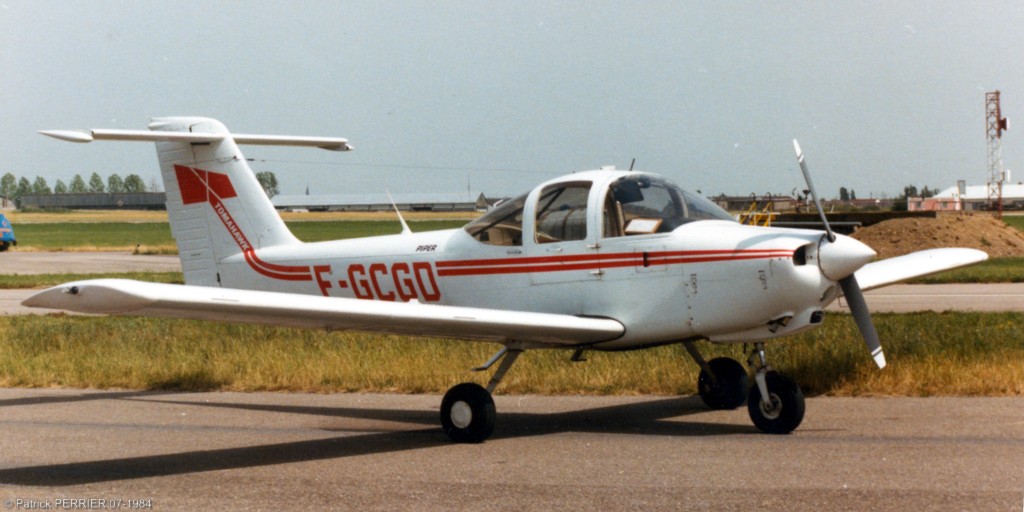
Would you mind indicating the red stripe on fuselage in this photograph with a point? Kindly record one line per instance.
(599, 261)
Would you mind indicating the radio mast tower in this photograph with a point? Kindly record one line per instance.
(995, 124)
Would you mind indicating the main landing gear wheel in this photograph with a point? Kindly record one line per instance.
(785, 410)
(728, 388)
(467, 413)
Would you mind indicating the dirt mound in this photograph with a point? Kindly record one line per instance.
(980, 231)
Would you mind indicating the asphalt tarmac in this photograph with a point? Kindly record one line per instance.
(26, 263)
(79, 449)
(291, 451)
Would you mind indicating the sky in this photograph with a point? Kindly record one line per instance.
(499, 96)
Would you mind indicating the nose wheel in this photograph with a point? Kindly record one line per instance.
(776, 404)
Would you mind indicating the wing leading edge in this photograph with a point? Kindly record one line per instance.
(916, 264)
(137, 298)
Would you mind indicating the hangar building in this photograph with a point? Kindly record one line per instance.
(429, 202)
(975, 197)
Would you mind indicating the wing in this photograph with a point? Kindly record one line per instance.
(137, 298)
(917, 264)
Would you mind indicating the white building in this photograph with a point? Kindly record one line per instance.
(975, 197)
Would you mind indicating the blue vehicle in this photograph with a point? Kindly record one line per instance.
(6, 234)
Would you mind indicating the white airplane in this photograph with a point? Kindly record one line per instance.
(604, 260)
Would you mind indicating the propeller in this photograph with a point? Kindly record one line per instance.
(849, 256)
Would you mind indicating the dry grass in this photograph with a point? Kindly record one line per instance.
(83, 216)
(929, 354)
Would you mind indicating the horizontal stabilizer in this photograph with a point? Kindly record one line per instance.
(917, 264)
(331, 143)
(137, 298)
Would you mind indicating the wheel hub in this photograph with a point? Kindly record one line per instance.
(462, 414)
(773, 410)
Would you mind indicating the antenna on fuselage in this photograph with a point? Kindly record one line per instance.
(631, 164)
(405, 227)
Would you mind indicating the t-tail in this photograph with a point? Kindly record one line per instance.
(216, 206)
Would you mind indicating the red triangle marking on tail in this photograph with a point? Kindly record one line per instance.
(197, 184)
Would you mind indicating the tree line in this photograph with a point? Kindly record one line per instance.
(908, 192)
(13, 188)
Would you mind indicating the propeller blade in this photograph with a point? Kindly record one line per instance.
(845, 258)
(859, 308)
(810, 188)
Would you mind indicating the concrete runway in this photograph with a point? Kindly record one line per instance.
(26, 263)
(907, 298)
(385, 452)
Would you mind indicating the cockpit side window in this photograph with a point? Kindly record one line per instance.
(562, 213)
(501, 226)
(637, 205)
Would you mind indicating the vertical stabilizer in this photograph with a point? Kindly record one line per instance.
(216, 206)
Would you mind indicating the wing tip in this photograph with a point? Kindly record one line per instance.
(97, 296)
(69, 135)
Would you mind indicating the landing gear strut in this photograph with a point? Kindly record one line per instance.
(468, 414)
(776, 404)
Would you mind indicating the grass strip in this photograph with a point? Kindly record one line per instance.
(929, 354)
(1016, 221)
(45, 280)
(999, 270)
(156, 236)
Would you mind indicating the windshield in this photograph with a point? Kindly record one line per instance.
(644, 204)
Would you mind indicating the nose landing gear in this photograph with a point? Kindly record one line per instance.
(776, 404)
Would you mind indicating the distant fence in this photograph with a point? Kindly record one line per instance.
(91, 201)
(847, 222)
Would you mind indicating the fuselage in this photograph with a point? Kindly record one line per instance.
(705, 278)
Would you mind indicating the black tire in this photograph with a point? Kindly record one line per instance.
(788, 400)
(467, 413)
(731, 391)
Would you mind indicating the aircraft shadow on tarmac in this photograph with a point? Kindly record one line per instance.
(85, 397)
(645, 418)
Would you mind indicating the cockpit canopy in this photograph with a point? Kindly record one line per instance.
(633, 204)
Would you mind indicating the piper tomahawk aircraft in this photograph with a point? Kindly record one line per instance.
(597, 260)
